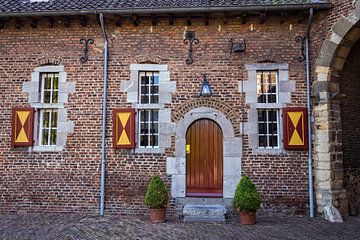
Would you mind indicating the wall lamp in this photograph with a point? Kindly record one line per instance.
(205, 88)
(237, 47)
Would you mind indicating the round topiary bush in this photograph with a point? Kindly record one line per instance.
(246, 198)
(157, 194)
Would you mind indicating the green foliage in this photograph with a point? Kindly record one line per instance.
(157, 193)
(246, 198)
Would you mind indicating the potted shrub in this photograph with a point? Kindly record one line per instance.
(246, 200)
(156, 199)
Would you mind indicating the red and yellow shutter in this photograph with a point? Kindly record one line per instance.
(22, 127)
(295, 128)
(124, 128)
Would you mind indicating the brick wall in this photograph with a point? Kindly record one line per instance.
(69, 181)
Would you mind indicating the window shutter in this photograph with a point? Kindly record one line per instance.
(295, 128)
(22, 127)
(124, 128)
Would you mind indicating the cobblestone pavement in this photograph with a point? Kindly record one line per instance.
(31, 226)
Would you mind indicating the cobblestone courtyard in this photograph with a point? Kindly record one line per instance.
(30, 226)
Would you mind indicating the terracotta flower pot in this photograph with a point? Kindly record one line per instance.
(247, 218)
(157, 215)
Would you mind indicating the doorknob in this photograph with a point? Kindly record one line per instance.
(187, 148)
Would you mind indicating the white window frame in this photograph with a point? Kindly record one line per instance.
(266, 85)
(285, 88)
(151, 108)
(268, 135)
(50, 107)
(149, 134)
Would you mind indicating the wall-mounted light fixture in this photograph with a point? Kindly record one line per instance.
(189, 38)
(237, 47)
(205, 88)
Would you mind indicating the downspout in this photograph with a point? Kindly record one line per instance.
(307, 56)
(103, 143)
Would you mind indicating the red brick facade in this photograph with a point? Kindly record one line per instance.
(69, 181)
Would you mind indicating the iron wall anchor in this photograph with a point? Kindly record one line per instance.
(86, 43)
(189, 38)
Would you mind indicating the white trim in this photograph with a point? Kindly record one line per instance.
(49, 69)
(149, 67)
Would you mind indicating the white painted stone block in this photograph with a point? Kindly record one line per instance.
(132, 97)
(232, 147)
(230, 183)
(232, 166)
(178, 185)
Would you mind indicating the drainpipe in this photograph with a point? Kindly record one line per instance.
(306, 39)
(102, 187)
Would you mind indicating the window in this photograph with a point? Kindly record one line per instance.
(148, 118)
(48, 117)
(268, 119)
(267, 86)
(149, 124)
(268, 128)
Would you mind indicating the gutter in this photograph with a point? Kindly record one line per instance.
(308, 103)
(103, 143)
(150, 11)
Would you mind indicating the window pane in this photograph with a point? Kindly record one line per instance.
(272, 98)
(154, 99)
(273, 77)
(154, 140)
(145, 99)
(154, 128)
(46, 119)
(47, 83)
(155, 116)
(273, 141)
(53, 137)
(144, 80)
(45, 137)
(46, 97)
(144, 116)
(143, 140)
(144, 89)
(144, 128)
(55, 97)
(261, 115)
(154, 89)
(272, 88)
(155, 79)
(262, 99)
(262, 128)
(262, 141)
(56, 82)
(273, 128)
(272, 116)
(54, 119)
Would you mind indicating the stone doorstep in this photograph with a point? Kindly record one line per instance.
(204, 213)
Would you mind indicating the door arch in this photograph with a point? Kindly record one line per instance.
(204, 159)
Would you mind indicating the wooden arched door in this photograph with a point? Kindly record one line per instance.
(204, 159)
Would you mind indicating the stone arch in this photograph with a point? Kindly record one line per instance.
(148, 59)
(230, 113)
(328, 159)
(48, 61)
(232, 151)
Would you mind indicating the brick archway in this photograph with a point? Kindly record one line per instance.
(328, 156)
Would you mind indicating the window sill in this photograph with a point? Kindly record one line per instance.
(150, 150)
(47, 148)
(269, 151)
(148, 106)
(46, 105)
